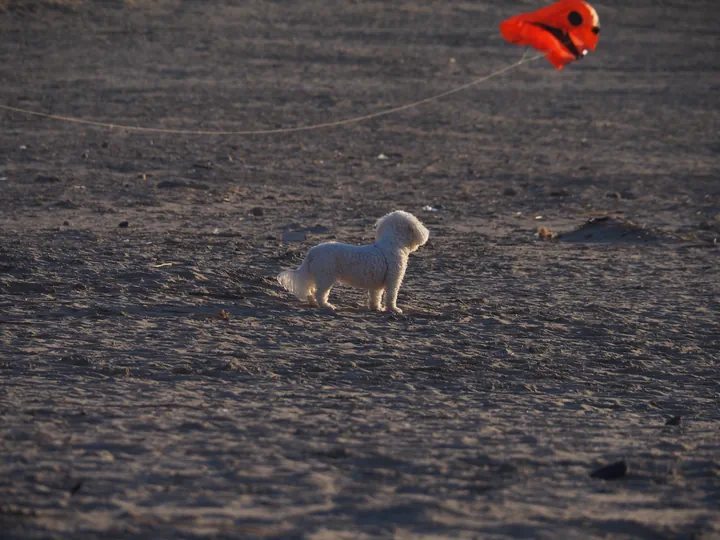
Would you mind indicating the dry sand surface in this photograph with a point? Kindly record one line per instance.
(155, 380)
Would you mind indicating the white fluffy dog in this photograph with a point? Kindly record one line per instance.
(377, 268)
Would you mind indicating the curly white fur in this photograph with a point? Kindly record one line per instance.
(377, 268)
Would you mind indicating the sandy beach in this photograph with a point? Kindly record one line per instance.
(157, 382)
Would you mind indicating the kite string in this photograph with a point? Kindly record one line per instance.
(347, 121)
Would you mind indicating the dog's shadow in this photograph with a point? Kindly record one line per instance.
(366, 313)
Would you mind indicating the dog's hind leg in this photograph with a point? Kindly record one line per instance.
(322, 292)
(375, 299)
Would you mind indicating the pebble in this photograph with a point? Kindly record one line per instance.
(65, 204)
(337, 453)
(509, 192)
(543, 233)
(124, 224)
(257, 211)
(318, 229)
(180, 183)
(182, 370)
(293, 236)
(42, 179)
(611, 472)
(76, 360)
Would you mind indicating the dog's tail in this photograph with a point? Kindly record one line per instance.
(299, 282)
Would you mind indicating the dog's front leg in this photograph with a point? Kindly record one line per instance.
(375, 299)
(392, 287)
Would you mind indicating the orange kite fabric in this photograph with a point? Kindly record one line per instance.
(564, 31)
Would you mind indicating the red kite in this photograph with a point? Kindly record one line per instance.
(564, 31)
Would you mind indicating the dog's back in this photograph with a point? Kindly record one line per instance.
(359, 266)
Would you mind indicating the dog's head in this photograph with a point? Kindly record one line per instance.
(402, 229)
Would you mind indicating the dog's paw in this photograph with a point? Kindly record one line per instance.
(328, 307)
(395, 309)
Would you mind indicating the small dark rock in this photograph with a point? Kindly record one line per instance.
(614, 195)
(76, 487)
(232, 365)
(509, 192)
(166, 184)
(124, 224)
(257, 211)
(180, 183)
(76, 360)
(674, 421)
(337, 453)
(506, 468)
(66, 223)
(182, 370)
(318, 229)
(105, 144)
(42, 179)
(562, 192)
(324, 99)
(66, 204)
(294, 236)
(611, 472)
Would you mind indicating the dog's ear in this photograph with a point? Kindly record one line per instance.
(410, 232)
